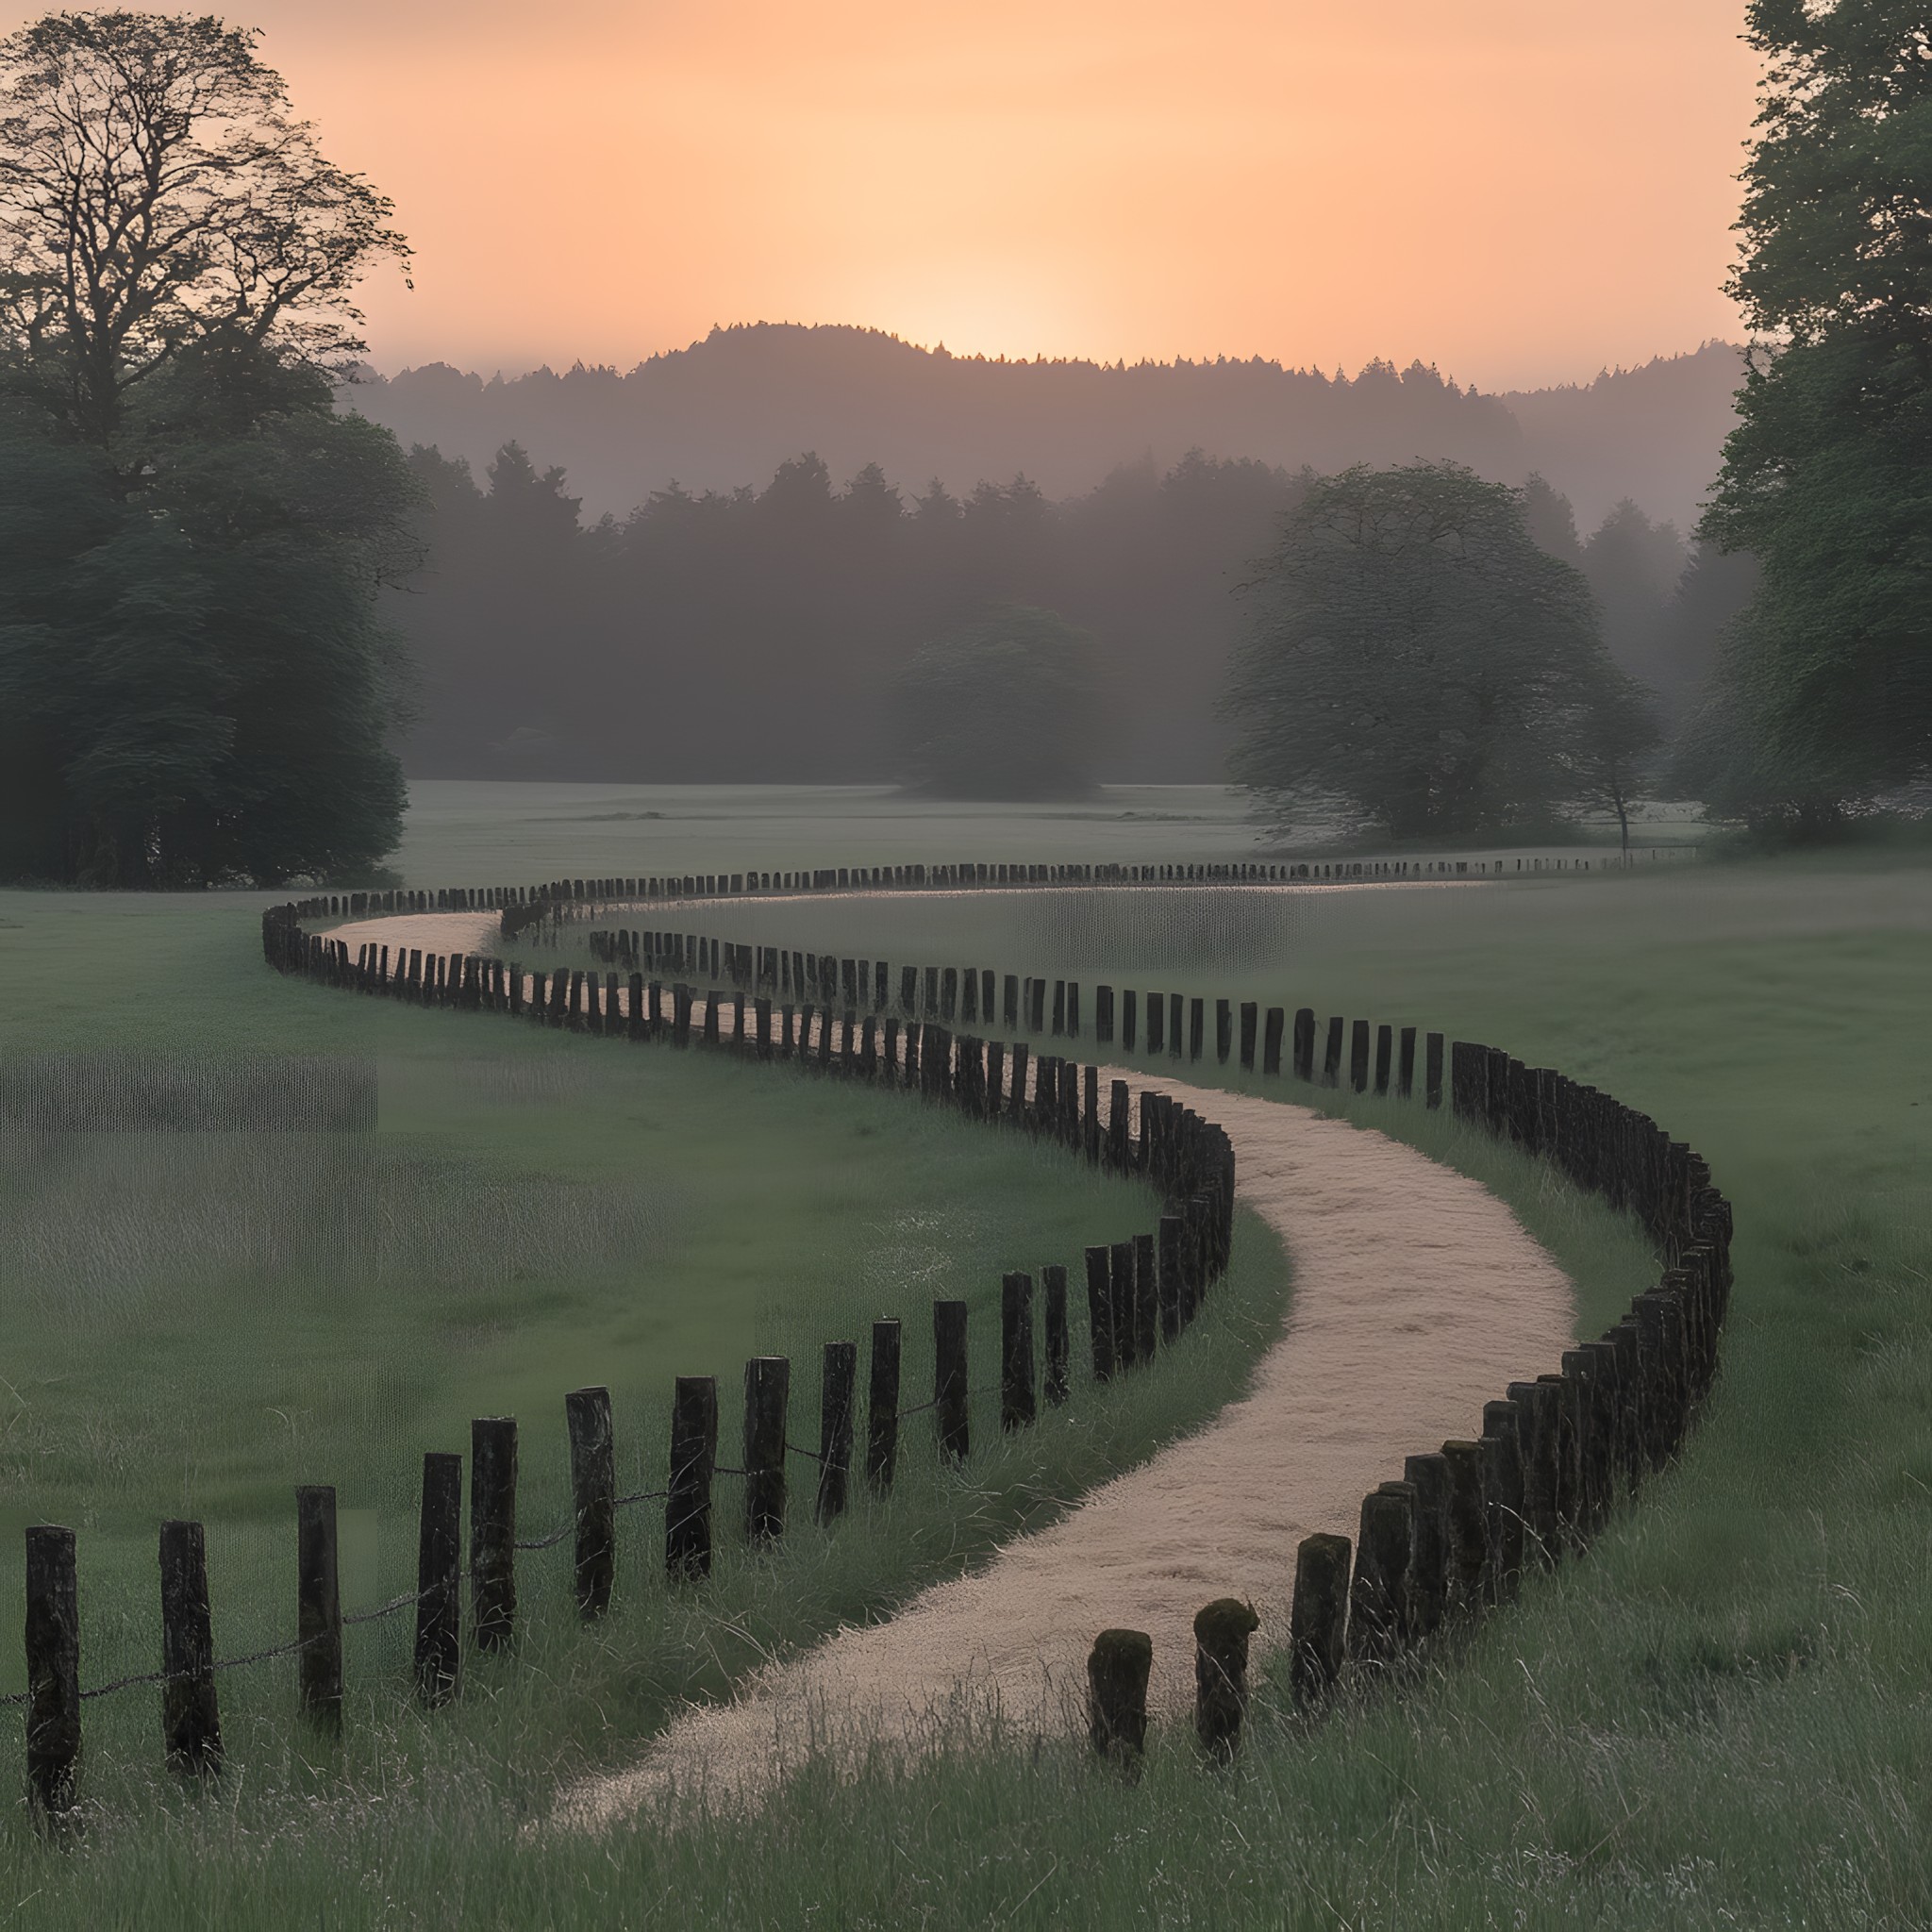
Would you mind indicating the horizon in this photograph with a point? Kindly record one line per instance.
(1341, 373)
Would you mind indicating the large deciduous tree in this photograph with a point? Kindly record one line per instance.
(154, 191)
(194, 685)
(1419, 664)
(1824, 694)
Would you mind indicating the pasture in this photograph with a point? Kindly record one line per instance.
(1717, 1717)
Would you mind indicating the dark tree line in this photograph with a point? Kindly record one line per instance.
(757, 634)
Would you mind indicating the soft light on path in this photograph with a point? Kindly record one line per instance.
(1418, 1296)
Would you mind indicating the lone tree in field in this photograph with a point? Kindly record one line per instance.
(192, 684)
(1419, 664)
(1823, 693)
(1006, 708)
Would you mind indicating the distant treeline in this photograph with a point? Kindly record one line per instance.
(751, 635)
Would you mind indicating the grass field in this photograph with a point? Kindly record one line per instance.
(198, 1320)
(1718, 1718)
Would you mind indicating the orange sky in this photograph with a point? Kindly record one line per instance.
(1519, 191)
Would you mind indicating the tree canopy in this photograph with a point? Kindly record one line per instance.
(154, 193)
(1824, 694)
(194, 686)
(1418, 662)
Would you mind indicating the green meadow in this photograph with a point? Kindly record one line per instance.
(1717, 1717)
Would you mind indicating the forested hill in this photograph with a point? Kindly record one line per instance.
(729, 409)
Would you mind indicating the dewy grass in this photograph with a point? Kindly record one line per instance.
(1717, 1719)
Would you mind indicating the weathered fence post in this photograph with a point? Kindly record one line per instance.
(1270, 1040)
(838, 1395)
(1053, 1282)
(1222, 1630)
(1120, 1302)
(1428, 1569)
(767, 1395)
(1405, 1076)
(1432, 1073)
(493, 1530)
(593, 1497)
(191, 1722)
(1378, 1620)
(882, 1407)
(694, 1456)
(1100, 1312)
(1117, 1671)
(1469, 1528)
(318, 1607)
(1305, 1043)
(438, 1578)
(949, 1378)
(1017, 1407)
(1318, 1617)
(53, 1670)
(1146, 1299)
(1502, 1497)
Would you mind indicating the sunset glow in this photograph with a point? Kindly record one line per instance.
(1517, 190)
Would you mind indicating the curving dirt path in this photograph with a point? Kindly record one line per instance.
(1417, 1297)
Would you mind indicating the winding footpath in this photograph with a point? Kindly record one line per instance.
(1417, 1294)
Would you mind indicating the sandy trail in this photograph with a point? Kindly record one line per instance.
(1418, 1296)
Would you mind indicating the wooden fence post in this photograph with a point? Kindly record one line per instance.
(1318, 1617)
(1385, 1045)
(1502, 1497)
(1358, 1056)
(1017, 1401)
(949, 1378)
(1223, 1032)
(694, 1456)
(1100, 1312)
(882, 1410)
(53, 1672)
(1378, 1619)
(767, 1396)
(438, 1578)
(1468, 1529)
(191, 1722)
(1053, 1282)
(1428, 1570)
(593, 1497)
(1222, 1630)
(318, 1607)
(1305, 1043)
(1146, 1299)
(1404, 1077)
(493, 1530)
(838, 1393)
(1197, 1028)
(1117, 1671)
(1173, 1277)
(1120, 1302)
(1433, 1070)
(1250, 1019)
